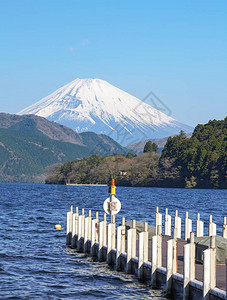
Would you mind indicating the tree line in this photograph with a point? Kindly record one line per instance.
(196, 162)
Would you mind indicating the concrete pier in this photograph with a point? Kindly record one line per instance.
(165, 261)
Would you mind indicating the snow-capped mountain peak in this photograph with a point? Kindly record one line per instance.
(95, 105)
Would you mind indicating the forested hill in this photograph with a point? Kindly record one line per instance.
(29, 144)
(196, 162)
(200, 161)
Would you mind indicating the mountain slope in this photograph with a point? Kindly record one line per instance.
(53, 130)
(95, 105)
(25, 151)
(139, 147)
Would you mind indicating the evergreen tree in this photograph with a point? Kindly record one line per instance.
(150, 147)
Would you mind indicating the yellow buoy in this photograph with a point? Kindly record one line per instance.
(57, 227)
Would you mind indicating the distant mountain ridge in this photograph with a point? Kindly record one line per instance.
(29, 144)
(139, 147)
(97, 106)
(51, 129)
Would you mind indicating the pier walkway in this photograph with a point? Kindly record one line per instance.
(183, 268)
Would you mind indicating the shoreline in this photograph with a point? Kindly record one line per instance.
(86, 184)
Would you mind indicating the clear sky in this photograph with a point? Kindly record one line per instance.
(177, 49)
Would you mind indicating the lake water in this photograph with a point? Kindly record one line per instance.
(36, 264)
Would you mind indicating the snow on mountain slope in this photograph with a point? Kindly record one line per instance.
(95, 105)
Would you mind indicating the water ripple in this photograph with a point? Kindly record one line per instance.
(34, 261)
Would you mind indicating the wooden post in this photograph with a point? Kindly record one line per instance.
(212, 227)
(167, 223)
(131, 245)
(156, 257)
(209, 268)
(199, 226)
(120, 242)
(177, 224)
(224, 229)
(75, 228)
(143, 251)
(69, 226)
(189, 266)
(102, 237)
(171, 264)
(87, 231)
(188, 227)
(158, 219)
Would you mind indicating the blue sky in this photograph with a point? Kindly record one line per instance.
(177, 49)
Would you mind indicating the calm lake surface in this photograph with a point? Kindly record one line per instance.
(36, 264)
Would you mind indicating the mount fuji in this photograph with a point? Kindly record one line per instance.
(95, 105)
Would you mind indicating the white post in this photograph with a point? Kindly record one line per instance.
(97, 227)
(123, 233)
(169, 266)
(69, 226)
(224, 230)
(159, 249)
(119, 229)
(81, 231)
(154, 260)
(131, 246)
(189, 266)
(87, 231)
(104, 230)
(177, 224)
(212, 227)
(186, 272)
(192, 256)
(111, 240)
(89, 226)
(209, 269)
(120, 242)
(94, 233)
(143, 251)
(199, 226)
(174, 251)
(167, 223)
(213, 262)
(101, 227)
(226, 277)
(188, 227)
(75, 228)
(206, 274)
(102, 238)
(158, 219)
(156, 257)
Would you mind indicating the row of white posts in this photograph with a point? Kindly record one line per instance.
(82, 231)
(212, 227)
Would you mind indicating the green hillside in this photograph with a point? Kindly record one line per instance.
(200, 161)
(25, 151)
(196, 162)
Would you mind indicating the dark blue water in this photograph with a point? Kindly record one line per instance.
(34, 261)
